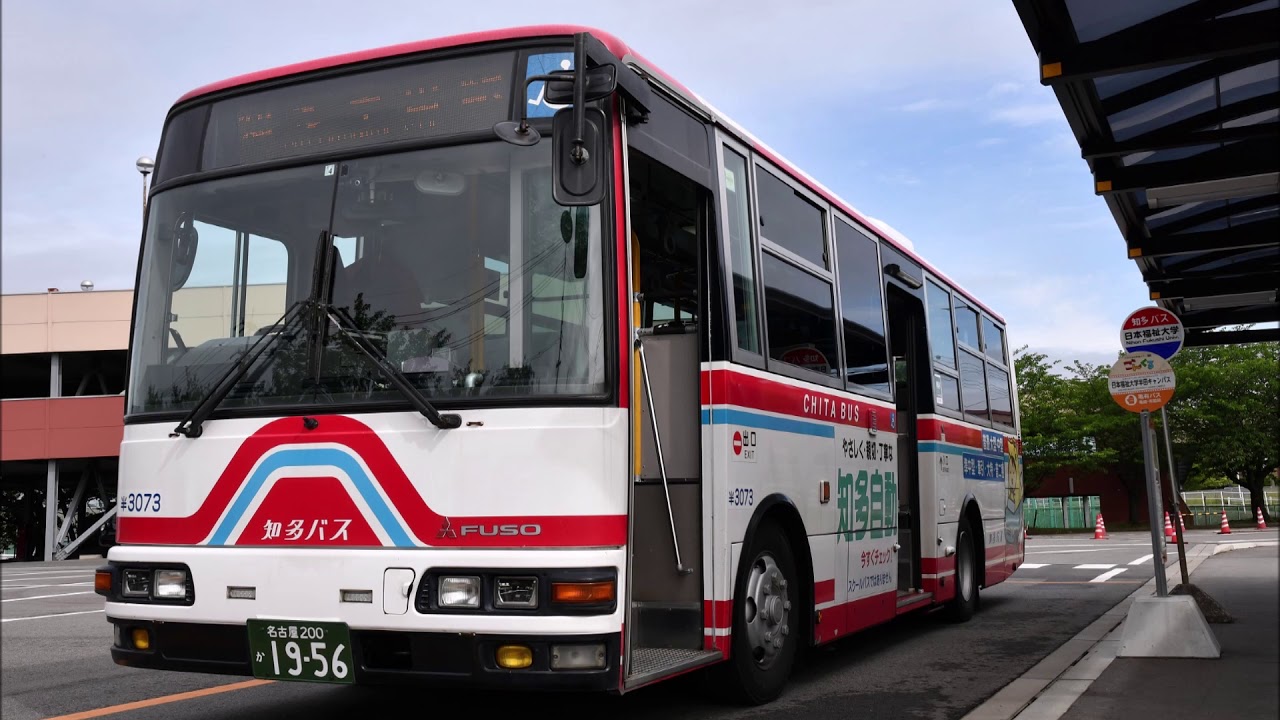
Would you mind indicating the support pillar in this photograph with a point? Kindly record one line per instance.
(50, 509)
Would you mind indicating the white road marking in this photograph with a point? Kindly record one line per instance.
(42, 617)
(1095, 544)
(46, 586)
(1141, 560)
(1033, 566)
(22, 573)
(1095, 566)
(44, 577)
(1108, 575)
(42, 597)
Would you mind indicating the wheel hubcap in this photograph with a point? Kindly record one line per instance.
(767, 611)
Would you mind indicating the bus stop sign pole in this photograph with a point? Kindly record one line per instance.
(1157, 330)
(1141, 382)
(1149, 461)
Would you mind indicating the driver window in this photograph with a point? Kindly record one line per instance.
(236, 286)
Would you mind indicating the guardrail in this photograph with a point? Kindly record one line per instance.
(1077, 512)
(1206, 506)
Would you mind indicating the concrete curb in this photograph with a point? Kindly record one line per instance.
(1051, 686)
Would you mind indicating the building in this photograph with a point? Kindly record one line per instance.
(62, 378)
(63, 358)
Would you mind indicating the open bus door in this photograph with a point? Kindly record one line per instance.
(909, 350)
(664, 627)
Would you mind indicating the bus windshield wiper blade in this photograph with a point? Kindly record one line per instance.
(372, 354)
(192, 425)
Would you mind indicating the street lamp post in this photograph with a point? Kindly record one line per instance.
(145, 165)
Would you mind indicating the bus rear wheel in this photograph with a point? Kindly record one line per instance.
(965, 603)
(765, 620)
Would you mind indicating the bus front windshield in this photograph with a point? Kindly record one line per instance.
(456, 262)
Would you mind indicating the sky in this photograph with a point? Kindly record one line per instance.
(927, 116)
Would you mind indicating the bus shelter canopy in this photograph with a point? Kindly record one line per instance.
(1176, 107)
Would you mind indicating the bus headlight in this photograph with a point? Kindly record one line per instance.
(170, 584)
(460, 591)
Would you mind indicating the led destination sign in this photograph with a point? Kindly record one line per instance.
(402, 103)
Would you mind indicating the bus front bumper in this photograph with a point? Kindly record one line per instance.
(382, 657)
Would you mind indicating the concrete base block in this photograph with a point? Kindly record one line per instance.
(1167, 627)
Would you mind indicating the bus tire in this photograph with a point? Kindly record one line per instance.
(965, 603)
(766, 612)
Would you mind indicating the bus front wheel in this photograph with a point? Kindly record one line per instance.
(765, 613)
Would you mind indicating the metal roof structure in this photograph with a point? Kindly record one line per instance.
(1176, 107)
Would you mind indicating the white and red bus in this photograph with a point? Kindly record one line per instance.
(505, 359)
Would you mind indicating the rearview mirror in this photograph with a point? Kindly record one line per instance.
(578, 166)
(600, 82)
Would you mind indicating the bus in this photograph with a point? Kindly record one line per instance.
(504, 359)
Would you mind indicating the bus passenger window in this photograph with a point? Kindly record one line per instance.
(800, 314)
(966, 325)
(946, 391)
(974, 388)
(998, 387)
(941, 344)
(993, 340)
(740, 255)
(861, 308)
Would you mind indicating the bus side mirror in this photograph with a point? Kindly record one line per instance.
(578, 166)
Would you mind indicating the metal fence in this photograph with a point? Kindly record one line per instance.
(1061, 513)
(1206, 506)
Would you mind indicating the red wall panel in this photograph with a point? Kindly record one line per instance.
(72, 427)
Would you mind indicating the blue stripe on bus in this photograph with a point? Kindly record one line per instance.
(731, 416)
(304, 457)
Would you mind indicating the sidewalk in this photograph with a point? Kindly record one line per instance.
(1243, 683)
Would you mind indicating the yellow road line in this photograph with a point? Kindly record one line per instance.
(163, 700)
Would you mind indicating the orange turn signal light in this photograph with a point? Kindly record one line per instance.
(102, 582)
(582, 592)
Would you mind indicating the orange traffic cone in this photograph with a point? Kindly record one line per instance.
(1262, 524)
(1168, 526)
(1099, 529)
(1225, 529)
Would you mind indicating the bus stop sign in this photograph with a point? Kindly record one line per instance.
(1154, 330)
(1141, 381)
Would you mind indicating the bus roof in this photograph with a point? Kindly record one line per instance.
(618, 48)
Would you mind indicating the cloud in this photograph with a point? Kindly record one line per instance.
(991, 141)
(922, 105)
(1004, 88)
(1028, 114)
(83, 95)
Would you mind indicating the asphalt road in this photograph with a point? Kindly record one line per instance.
(54, 659)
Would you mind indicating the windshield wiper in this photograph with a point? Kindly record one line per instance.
(373, 355)
(191, 425)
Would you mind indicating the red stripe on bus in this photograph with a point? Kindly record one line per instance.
(953, 433)
(728, 387)
(421, 521)
(717, 613)
(841, 620)
(824, 591)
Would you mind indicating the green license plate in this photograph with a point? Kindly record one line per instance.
(301, 650)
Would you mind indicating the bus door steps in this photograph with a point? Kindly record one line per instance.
(651, 663)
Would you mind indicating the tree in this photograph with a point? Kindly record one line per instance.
(1225, 413)
(1070, 421)
(1224, 419)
